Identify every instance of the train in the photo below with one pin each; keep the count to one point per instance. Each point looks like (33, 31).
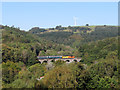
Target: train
(56, 57)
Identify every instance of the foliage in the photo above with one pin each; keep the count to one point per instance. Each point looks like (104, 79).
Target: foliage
(24, 80)
(85, 34)
(59, 62)
(106, 82)
(9, 71)
(37, 70)
(22, 46)
(37, 30)
(104, 74)
(60, 77)
(98, 50)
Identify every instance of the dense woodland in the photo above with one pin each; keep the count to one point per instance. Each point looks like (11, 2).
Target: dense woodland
(97, 46)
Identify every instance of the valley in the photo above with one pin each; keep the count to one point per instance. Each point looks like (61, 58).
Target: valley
(96, 46)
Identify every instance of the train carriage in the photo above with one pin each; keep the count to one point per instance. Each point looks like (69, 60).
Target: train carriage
(54, 57)
(42, 57)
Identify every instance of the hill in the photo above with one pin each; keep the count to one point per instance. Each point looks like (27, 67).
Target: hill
(98, 49)
(22, 46)
(77, 35)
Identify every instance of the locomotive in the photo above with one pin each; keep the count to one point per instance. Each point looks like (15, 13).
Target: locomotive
(55, 57)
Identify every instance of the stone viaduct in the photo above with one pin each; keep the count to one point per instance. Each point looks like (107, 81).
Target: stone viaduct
(66, 60)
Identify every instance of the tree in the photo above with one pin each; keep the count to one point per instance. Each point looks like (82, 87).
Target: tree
(98, 82)
(59, 62)
(37, 70)
(9, 71)
(60, 77)
(103, 74)
(58, 27)
(87, 24)
(24, 80)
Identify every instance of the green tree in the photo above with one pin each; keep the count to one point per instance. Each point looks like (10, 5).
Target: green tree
(60, 77)
(37, 70)
(9, 71)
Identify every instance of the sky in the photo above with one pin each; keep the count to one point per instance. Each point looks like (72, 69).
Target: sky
(50, 14)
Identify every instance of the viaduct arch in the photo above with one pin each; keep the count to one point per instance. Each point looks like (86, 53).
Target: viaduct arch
(66, 60)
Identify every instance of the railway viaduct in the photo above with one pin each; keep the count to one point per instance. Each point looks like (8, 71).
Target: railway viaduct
(66, 60)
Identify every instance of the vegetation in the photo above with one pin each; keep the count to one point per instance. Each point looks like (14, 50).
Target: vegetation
(75, 36)
(97, 46)
(22, 46)
(99, 49)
